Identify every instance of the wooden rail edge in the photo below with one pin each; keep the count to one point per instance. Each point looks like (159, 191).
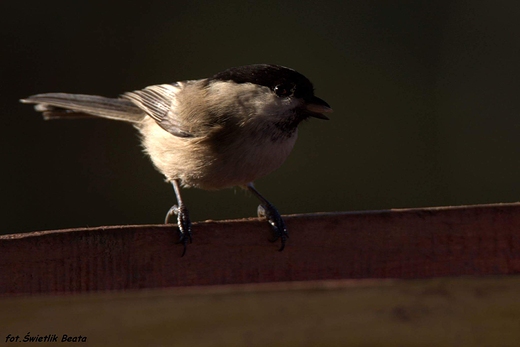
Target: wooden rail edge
(407, 243)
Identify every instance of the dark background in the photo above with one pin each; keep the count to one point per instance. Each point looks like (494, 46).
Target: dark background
(425, 94)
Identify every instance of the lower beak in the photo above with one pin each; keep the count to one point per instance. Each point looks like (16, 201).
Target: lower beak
(318, 107)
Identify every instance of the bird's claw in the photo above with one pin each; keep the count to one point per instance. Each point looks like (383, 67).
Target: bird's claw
(271, 214)
(183, 223)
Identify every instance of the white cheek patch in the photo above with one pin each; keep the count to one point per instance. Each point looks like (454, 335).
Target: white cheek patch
(276, 106)
(254, 99)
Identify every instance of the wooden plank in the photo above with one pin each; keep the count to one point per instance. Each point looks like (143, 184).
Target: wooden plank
(412, 243)
(430, 312)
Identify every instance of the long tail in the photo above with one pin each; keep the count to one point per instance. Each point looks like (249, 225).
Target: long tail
(62, 105)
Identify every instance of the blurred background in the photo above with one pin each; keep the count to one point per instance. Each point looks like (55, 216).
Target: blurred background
(425, 96)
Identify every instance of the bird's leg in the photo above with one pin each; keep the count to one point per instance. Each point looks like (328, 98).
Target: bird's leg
(183, 217)
(269, 212)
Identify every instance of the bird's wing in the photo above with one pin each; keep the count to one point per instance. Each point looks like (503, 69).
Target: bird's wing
(160, 103)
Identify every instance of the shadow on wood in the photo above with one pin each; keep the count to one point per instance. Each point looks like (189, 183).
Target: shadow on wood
(462, 312)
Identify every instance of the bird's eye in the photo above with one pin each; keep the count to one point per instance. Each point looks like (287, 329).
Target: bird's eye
(284, 90)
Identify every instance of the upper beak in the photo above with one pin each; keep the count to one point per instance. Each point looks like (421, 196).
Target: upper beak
(318, 106)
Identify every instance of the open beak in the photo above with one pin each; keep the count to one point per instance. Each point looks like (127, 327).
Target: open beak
(318, 107)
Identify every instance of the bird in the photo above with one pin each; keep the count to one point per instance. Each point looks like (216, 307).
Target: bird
(224, 131)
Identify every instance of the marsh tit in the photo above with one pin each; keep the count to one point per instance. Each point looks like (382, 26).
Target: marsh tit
(212, 133)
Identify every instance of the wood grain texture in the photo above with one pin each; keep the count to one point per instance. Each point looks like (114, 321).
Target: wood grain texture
(437, 312)
(412, 243)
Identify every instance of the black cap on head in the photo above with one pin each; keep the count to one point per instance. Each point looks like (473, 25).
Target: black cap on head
(270, 76)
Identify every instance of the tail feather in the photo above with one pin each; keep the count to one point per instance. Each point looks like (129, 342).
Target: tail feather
(62, 105)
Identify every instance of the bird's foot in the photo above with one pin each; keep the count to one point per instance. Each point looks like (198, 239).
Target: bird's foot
(183, 222)
(271, 214)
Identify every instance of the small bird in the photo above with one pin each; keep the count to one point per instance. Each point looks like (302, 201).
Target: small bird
(212, 133)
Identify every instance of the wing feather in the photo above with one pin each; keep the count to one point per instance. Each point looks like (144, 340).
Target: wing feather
(160, 103)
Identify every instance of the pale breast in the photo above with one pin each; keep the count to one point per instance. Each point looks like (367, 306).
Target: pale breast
(246, 161)
(205, 164)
